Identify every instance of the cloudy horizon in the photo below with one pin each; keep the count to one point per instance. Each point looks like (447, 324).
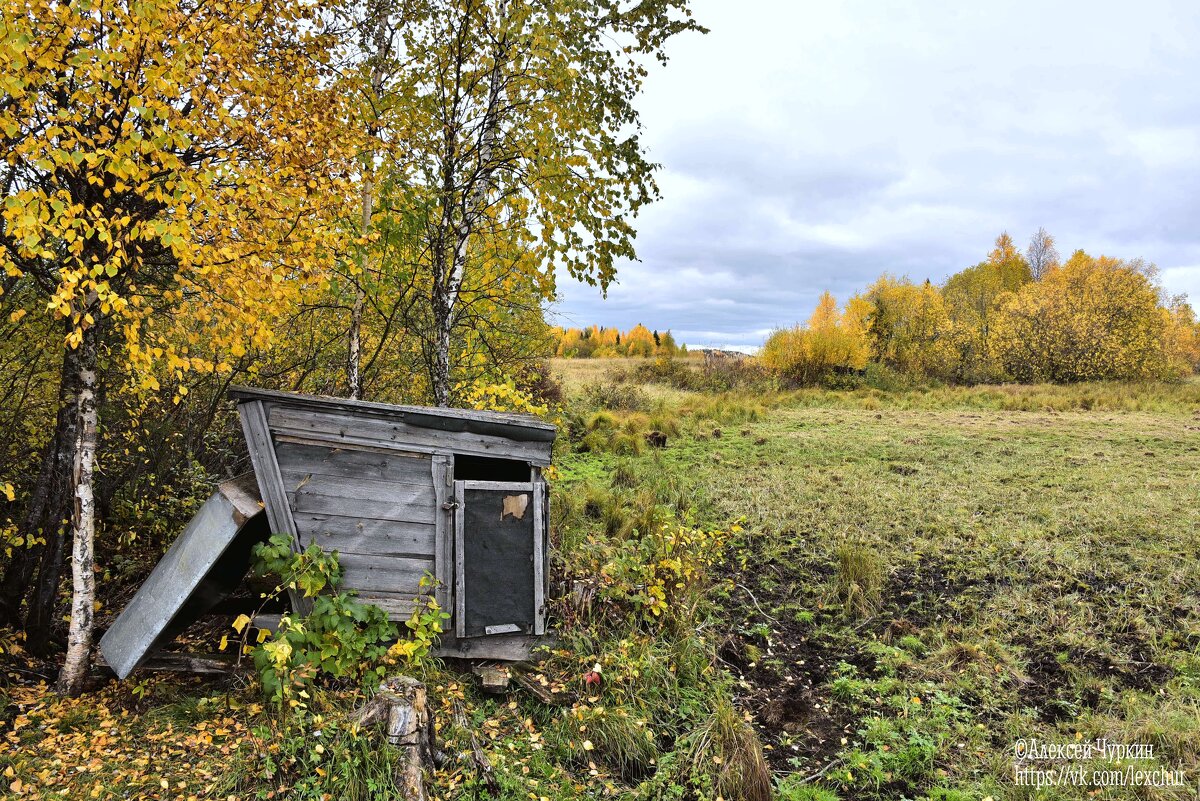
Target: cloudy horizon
(807, 148)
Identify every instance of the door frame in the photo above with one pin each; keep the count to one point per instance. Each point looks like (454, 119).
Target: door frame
(536, 489)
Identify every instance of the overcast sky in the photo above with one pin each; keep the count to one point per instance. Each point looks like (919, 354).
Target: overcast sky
(809, 146)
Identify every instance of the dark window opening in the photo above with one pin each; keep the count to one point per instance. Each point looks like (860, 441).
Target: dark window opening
(485, 468)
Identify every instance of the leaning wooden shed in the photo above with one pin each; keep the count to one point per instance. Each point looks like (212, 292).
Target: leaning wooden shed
(401, 492)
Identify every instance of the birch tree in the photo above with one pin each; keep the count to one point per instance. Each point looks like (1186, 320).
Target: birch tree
(374, 53)
(1041, 254)
(168, 164)
(523, 133)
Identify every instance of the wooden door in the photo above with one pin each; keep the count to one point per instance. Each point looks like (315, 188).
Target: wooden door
(499, 558)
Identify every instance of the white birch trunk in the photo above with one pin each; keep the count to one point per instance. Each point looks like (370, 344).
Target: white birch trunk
(382, 45)
(83, 524)
(447, 290)
(354, 368)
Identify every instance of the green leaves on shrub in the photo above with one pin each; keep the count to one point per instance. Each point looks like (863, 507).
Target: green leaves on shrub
(339, 638)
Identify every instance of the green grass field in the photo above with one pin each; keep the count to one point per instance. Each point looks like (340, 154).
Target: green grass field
(926, 578)
(809, 595)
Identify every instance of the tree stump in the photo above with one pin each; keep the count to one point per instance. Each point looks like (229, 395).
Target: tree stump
(402, 705)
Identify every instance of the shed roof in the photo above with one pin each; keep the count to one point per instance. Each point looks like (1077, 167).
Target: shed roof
(510, 425)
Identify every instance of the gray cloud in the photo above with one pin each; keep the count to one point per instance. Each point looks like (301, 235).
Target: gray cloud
(813, 146)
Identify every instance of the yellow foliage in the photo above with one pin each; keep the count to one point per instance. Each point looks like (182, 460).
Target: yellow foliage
(597, 342)
(831, 342)
(639, 341)
(176, 160)
(909, 327)
(1181, 340)
(972, 298)
(1090, 319)
(501, 397)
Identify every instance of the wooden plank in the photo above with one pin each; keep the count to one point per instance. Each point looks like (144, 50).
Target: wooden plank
(523, 425)
(539, 533)
(243, 493)
(270, 483)
(442, 469)
(492, 678)
(380, 431)
(420, 510)
(506, 647)
(419, 491)
(320, 441)
(179, 588)
(377, 430)
(398, 608)
(172, 662)
(370, 574)
(460, 590)
(356, 535)
(265, 620)
(266, 468)
(499, 486)
(297, 461)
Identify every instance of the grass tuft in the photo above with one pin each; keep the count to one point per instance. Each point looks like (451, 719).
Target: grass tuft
(725, 754)
(858, 581)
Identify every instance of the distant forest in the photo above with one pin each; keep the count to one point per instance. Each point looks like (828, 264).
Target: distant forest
(1024, 317)
(598, 342)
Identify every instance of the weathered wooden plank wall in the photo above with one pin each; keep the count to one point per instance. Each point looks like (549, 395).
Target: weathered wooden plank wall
(381, 432)
(378, 510)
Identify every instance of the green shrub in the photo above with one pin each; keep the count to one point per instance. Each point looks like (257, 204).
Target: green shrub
(625, 397)
(624, 475)
(619, 737)
(342, 763)
(625, 444)
(595, 501)
(884, 378)
(602, 422)
(340, 637)
(615, 520)
(594, 442)
(646, 515)
(667, 424)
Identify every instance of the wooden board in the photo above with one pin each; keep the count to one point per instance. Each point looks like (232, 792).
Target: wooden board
(204, 565)
(266, 468)
(370, 573)
(443, 487)
(539, 565)
(509, 647)
(377, 508)
(510, 425)
(371, 430)
(407, 504)
(355, 535)
(297, 461)
(397, 607)
(270, 482)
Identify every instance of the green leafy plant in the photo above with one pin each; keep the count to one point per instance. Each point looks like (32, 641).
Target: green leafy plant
(424, 626)
(340, 637)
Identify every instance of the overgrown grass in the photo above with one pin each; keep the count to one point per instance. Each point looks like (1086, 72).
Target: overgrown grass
(924, 576)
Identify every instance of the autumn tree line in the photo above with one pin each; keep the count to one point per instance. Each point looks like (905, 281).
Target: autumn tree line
(598, 342)
(365, 198)
(1027, 317)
